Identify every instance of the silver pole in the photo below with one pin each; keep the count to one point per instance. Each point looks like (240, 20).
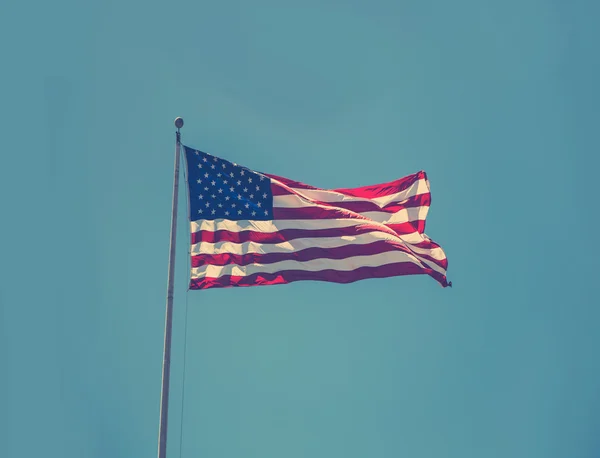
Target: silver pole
(166, 372)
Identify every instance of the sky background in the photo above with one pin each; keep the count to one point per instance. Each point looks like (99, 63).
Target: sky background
(497, 101)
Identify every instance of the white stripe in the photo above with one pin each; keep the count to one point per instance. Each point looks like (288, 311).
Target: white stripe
(418, 187)
(271, 226)
(314, 265)
(402, 216)
(435, 253)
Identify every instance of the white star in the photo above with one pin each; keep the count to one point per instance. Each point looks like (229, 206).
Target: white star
(262, 178)
(239, 212)
(215, 159)
(251, 196)
(207, 204)
(231, 174)
(239, 197)
(224, 181)
(206, 175)
(214, 211)
(200, 196)
(266, 212)
(213, 196)
(249, 180)
(242, 173)
(212, 166)
(253, 213)
(265, 195)
(198, 181)
(258, 204)
(220, 205)
(231, 189)
(206, 188)
(233, 205)
(197, 153)
(227, 197)
(220, 191)
(239, 183)
(204, 159)
(227, 213)
(200, 211)
(219, 175)
(257, 188)
(247, 205)
(223, 165)
(245, 189)
(199, 166)
(213, 182)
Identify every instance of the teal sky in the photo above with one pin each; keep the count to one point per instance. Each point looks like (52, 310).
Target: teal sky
(496, 101)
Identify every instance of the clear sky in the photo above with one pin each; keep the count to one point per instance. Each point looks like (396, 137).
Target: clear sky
(496, 101)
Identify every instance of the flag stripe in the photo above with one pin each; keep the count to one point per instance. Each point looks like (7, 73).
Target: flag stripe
(271, 226)
(277, 236)
(374, 192)
(320, 212)
(357, 206)
(334, 276)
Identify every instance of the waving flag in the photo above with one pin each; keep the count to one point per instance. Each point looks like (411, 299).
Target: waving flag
(250, 228)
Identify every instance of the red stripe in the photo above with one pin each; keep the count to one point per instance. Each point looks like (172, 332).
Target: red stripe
(334, 276)
(321, 212)
(417, 225)
(385, 189)
(427, 244)
(314, 213)
(368, 192)
(308, 254)
(420, 200)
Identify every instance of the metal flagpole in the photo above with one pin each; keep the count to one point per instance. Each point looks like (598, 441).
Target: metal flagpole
(166, 372)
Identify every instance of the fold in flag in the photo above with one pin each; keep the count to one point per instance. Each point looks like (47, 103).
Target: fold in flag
(250, 228)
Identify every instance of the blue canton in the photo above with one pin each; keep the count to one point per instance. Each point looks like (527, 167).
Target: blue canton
(220, 189)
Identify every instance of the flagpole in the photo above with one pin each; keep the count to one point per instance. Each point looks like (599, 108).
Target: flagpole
(166, 368)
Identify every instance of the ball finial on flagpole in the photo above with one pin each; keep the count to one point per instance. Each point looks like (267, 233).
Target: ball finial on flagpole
(179, 122)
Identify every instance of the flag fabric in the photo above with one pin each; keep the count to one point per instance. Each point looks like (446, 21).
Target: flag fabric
(250, 228)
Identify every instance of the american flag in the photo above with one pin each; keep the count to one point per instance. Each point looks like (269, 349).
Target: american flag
(250, 228)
